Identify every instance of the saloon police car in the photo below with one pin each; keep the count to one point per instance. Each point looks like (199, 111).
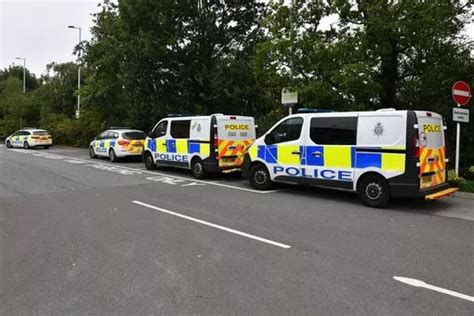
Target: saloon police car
(379, 154)
(117, 142)
(29, 137)
(201, 143)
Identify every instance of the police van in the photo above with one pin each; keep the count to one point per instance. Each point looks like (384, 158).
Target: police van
(379, 154)
(203, 144)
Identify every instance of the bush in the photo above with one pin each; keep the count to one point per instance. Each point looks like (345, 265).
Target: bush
(460, 182)
(75, 132)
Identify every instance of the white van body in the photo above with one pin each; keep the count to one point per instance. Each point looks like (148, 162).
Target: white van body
(201, 143)
(380, 154)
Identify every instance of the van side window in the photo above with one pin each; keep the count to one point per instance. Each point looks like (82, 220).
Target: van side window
(180, 129)
(286, 131)
(160, 129)
(334, 130)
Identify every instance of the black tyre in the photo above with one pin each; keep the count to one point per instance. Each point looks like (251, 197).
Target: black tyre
(149, 163)
(374, 191)
(197, 168)
(112, 156)
(260, 177)
(9, 145)
(26, 145)
(92, 154)
(46, 147)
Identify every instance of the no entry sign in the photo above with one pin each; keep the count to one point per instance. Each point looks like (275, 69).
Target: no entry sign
(461, 93)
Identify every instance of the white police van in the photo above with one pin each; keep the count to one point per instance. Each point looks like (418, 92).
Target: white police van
(380, 154)
(203, 144)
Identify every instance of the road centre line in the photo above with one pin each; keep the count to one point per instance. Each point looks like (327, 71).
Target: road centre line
(164, 174)
(230, 230)
(419, 283)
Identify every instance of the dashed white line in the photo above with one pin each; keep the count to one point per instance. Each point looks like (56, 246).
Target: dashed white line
(164, 174)
(230, 230)
(419, 283)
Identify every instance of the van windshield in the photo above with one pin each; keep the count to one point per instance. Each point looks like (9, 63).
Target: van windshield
(134, 135)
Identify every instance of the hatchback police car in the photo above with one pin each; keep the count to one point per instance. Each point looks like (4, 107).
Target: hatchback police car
(379, 154)
(29, 137)
(116, 143)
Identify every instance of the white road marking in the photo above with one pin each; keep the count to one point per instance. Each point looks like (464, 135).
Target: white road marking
(152, 172)
(230, 230)
(418, 283)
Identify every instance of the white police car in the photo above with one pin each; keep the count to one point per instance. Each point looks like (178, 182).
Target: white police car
(29, 137)
(379, 154)
(116, 143)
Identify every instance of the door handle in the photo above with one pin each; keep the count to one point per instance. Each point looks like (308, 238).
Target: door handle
(317, 154)
(232, 147)
(296, 152)
(164, 144)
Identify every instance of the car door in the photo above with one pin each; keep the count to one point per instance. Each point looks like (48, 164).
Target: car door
(329, 157)
(100, 148)
(158, 142)
(15, 139)
(283, 150)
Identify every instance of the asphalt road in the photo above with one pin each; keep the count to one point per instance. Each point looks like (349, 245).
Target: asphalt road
(87, 236)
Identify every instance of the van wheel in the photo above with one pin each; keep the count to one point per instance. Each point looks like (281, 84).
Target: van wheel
(260, 177)
(9, 145)
(374, 191)
(26, 145)
(92, 153)
(149, 163)
(112, 156)
(197, 168)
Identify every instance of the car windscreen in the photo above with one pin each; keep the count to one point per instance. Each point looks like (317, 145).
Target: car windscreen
(41, 133)
(134, 135)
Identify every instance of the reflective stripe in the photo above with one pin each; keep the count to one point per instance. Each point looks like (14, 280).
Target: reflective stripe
(204, 149)
(253, 151)
(181, 146)
(366, 160)
(285, 155)
(337, 156)
(393, 162)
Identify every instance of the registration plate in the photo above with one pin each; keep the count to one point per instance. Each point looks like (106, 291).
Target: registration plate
(426, 180)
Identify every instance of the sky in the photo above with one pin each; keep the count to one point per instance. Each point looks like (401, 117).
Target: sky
(37, 30)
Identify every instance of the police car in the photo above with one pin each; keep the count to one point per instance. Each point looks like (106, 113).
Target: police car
(201, 143)
(379, 154)
(29, 137)
(117, 142)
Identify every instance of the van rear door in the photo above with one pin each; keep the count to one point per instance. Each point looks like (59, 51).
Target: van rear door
(234, 135)
(431, 149)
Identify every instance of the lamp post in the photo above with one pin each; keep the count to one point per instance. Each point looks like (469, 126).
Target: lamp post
(78, 112)
(24, 73)
(24, 88)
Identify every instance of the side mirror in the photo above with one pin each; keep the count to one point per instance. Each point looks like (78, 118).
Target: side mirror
(151, 134)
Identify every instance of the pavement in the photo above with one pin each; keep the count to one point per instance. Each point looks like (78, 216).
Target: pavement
(85, 236)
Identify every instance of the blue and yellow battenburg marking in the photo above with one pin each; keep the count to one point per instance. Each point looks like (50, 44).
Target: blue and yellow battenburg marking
(177, 149)
(330, 157)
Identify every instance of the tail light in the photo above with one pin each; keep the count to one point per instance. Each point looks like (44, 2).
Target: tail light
(414, 150)
(123, 142)
(216, 140)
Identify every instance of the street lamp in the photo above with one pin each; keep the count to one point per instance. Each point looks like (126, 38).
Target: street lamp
(78, 74)
(24, 88)
(24, 73)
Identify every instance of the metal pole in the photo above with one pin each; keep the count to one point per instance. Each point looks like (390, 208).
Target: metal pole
(458, 138)
(79, 79)
(290, 109)
(24, 75)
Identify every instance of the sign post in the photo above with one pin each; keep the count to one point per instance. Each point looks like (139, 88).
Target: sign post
(461, 95)
(289, 99)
